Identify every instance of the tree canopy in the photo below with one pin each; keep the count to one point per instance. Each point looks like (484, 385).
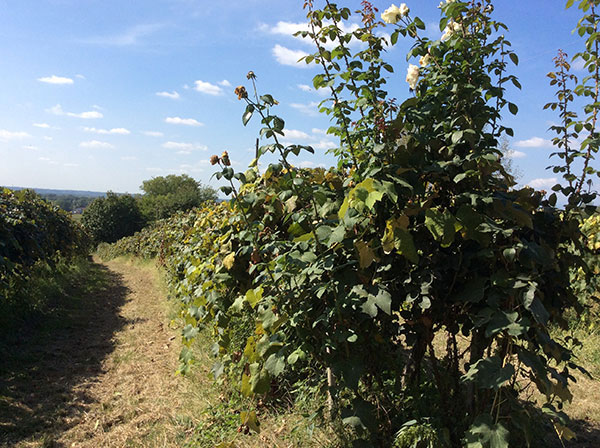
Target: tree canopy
(165, 195)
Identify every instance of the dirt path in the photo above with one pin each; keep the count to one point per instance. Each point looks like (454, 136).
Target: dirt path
(101, 377)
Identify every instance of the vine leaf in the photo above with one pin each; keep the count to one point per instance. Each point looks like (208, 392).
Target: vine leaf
(488, 373)
(484, 433)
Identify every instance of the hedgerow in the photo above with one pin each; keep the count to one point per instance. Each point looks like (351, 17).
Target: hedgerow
(33, 232)
(414, 284)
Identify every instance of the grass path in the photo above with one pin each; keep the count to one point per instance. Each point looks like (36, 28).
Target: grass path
(100, 373)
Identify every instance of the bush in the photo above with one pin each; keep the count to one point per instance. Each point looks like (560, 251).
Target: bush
(111, 218)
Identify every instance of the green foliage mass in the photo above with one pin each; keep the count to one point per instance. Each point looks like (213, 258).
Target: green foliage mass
(34, 235)
(166, 195)
(413, 282)
(111, 218)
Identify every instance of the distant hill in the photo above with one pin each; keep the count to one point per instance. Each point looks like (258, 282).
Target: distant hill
(47, 191)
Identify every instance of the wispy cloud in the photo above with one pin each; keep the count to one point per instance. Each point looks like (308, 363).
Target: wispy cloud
(31, 147)
(95, 144)
(58, 110)
(295, 134)
(113, 131)
(285, 56)
(184, 148)
(61, 80)
(13, 135)
(48, 139)
(208, 88)
(320, 91)
(153, 133)
(514, 154)
(130, 37)
(42, 125)
(184, 121)
(542, 183)
(310, 109)
(173, 95)
(225, 83)
(533, 142)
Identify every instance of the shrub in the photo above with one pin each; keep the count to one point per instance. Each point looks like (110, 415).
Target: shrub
(111, 218)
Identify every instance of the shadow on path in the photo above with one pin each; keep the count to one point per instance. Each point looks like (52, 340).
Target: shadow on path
(46, 366)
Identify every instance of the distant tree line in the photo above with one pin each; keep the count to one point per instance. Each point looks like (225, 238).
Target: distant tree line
(68, 202)
(115, 216)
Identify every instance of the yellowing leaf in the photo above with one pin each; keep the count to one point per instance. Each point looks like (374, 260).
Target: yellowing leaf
(563, 432)
(253, 296)
(229, 260)
(366, 255)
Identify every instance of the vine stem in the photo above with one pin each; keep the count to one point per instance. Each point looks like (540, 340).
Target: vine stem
(590, 146)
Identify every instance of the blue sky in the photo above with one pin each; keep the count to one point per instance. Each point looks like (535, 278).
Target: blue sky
(103, 94)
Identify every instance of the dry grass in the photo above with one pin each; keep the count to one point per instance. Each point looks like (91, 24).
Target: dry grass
(103, 375)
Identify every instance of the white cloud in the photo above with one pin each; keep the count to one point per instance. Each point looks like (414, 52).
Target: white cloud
(306, 164)
(48, 139)
(173, 95)
(318, 131)
(285, 56)
(153, 133)
(533, 142)
(324, 145)
(187, 147)
(514, 154)
(578, 65)
(44, 159)
(79, 76)
(56, 80)
(96, 144)
(290, 28)
(184, 121)
(295, 135)
(13, 135)
(225, 83)
(31, 147)
(286, 28)
(307, 109)
(542, 183)
(118, 131)
(42, 125)
(208, 88)
(58, 110)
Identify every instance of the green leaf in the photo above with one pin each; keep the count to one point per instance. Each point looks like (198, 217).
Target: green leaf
(247, 114)
(442, 225)
(260, 381)
(405, 245)
(190, 332)
(275, 364)
(484, 433)
(488, 373)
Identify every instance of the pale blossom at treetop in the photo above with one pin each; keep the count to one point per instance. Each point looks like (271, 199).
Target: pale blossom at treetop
(412, 76)
(425, 60)
(450, 29)
(395, 13)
